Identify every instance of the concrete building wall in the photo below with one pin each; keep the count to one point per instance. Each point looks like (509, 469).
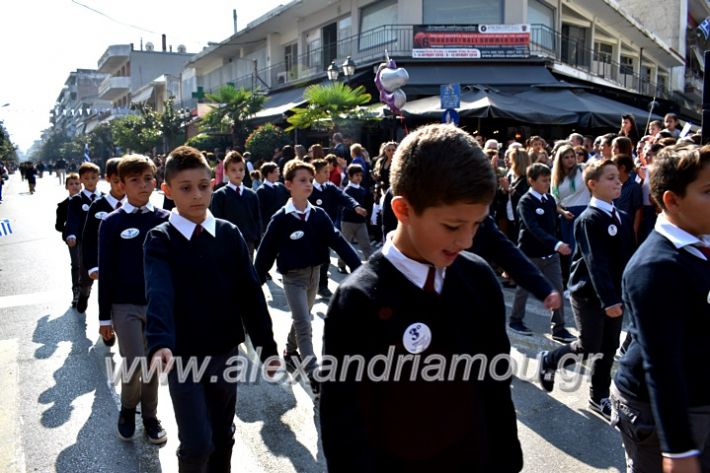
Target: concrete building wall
(146, 66)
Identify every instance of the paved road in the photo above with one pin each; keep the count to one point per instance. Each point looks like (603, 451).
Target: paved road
(58, 409)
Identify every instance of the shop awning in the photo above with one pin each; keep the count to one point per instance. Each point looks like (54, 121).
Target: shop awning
(142, 95)
(278, 104)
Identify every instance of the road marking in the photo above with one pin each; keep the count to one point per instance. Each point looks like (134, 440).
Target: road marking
(28, 299)
(12, 457)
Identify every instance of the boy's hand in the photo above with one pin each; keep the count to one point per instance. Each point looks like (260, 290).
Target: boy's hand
(94, 276)
(71, 242)
(567, 214)
(164, 359)
(361, 211)
(553, 301)
(614, 311)
(106, 332)
(564, 249)
(681, 465)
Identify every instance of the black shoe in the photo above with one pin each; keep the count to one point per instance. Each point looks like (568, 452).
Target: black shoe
(268, 276)
(290, 361)
(315, 385)
(545, 373)
(324, 291)
(342, 270)
(154, 432)
(82, 303)
(563, 336)
(126, 424)
(519, 327)
(601, 407)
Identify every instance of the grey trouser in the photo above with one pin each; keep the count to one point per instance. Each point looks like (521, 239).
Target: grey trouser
(129, 323)
(300, 287)
(634, 419)
(551, 269)
(61, 174)
(357, 231)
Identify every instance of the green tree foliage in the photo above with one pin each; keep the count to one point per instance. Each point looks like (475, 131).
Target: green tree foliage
(262, 142)
(8, 151)
(101, 141)
(208, 142)
(330, 106)
(235, 106)
(138, 133)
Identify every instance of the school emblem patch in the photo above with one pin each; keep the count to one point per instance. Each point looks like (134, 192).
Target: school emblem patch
(612, 230)
(297, 235)
(319, 202)
(708, 297)
(416, 338)
(101, 215)
(129, 233)
(85, 207)
(539, 211)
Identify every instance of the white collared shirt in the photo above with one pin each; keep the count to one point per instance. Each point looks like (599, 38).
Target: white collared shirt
(538, 195)
(234, 187)
(605, 207)
(318, 186)
(680, 238)
(414, 271)
(186, 227)
(130, 208)
(113, 201)
(89, 194)
(352, 184)
(291, 209)
(268, 183)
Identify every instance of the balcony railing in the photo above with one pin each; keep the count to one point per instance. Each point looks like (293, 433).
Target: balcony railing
(113, 87)
(370, 46)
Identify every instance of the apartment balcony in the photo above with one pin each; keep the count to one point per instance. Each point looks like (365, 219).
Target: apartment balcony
(114, 57)
(113, 87)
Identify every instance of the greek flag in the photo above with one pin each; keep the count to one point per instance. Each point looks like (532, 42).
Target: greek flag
(705, 27)
(87, 158)
(5, 228)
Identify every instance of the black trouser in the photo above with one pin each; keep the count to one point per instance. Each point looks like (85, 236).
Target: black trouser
(598, 334)
(74, 259)
(85, 282)
(204, 412)
(323, 275)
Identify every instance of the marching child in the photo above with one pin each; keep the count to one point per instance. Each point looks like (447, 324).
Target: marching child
(299, 238)
(122, 303)
(238, 204)
(537, 238)
(605, 242)
(354, 225)
(73, 185)
(412, 300)
(77, 211)
(272, 194)
(186, 258)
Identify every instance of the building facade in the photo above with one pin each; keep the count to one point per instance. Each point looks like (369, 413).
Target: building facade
(77, 101)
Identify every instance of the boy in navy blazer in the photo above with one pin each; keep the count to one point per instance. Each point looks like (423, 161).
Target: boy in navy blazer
(411, 301)
(192, 264)
(272, 194)
(73, 185)
(537, 238)
(354, 225)
(122, 303)
(661, 392)
(605, 242)
(77, 211)
(237, 203)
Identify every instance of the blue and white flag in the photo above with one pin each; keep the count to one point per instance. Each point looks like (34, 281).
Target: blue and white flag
(705, 27)
(87, 158)
(5, 228)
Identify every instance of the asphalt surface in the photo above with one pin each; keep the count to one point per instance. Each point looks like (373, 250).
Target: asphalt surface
(58, 408)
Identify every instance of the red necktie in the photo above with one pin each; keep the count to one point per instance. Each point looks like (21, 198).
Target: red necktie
(302, 216)
(429, 283)
(239, 191)
(118, 205)
(196, 232)
(615, 215)
(704, 250)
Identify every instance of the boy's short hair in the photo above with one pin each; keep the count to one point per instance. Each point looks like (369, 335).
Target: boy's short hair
(354, 169)
(233, 157)
(268, 167)
(255, 174)
(134, 164)
(536, 170)
(183, 158)
(70, 176)
(656, 123)
(87, 168)
(441, 164)
(332, 159)
(594, 170)
(667, 141)
(319, 164)
(112, 167)
(674, 168)
(296, 165)
(624, 160)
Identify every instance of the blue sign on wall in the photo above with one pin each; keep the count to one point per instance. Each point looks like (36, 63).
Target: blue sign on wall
(450, 95)
(450, 116)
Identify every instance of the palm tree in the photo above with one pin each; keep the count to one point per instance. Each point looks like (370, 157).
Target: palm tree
(234, 107)
(330, 105)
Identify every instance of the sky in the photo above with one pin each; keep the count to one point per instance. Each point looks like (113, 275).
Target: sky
(42, 41)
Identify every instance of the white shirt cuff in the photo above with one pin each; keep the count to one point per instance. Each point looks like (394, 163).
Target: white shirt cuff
(104, 323)
(93, 270)
(559, 243)
(688, 454)
(71, 237)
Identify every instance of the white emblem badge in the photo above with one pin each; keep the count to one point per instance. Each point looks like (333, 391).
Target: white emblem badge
(297, 235)
(129, 233)
(613, 230)
(85, 207)
(101, 215)
(319, 202)
(417, 338)
(539, 211)
(708, 297)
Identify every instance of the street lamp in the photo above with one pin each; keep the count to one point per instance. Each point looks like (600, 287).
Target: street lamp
(348, 66)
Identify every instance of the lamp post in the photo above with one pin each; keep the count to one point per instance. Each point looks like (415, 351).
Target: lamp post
(348, 69)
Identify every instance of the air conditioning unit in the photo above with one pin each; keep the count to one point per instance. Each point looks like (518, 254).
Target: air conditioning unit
(282, 77)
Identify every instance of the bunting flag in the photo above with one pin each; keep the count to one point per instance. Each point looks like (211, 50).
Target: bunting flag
(5, 228)
(87, 158)
(705, 27)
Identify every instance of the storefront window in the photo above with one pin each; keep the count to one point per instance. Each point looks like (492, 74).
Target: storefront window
(375, 24)
(462, 12)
